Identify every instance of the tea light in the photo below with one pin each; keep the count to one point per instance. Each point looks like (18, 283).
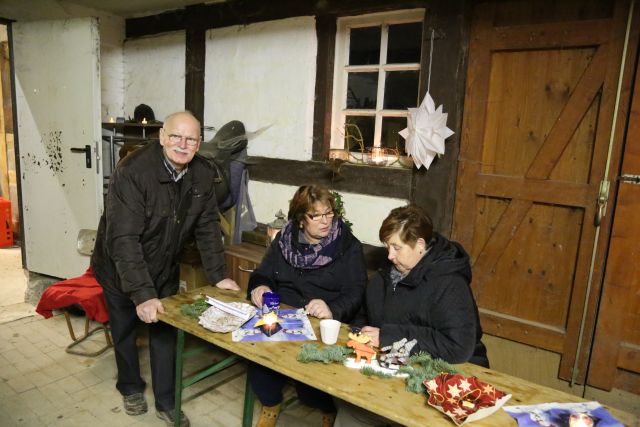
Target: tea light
(377, 156)
(144, 120)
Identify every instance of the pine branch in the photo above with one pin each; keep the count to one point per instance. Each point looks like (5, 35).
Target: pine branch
(194, 310)
(313, 353)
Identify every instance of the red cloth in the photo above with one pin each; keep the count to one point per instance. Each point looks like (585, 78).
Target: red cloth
(84, 290)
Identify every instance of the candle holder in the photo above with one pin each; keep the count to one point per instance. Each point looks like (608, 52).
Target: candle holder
(380, 156)
(269, 324)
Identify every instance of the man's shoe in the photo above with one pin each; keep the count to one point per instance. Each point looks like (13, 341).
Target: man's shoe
(134, 404)
(170, 417)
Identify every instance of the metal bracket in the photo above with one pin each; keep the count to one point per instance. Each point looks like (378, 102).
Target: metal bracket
(603, 196)
(630, 179)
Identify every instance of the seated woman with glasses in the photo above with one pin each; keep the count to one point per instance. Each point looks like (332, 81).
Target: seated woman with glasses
(315, 262)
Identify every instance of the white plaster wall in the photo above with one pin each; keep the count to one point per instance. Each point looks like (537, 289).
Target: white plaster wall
(112, 32)
(154, 73)
(365, 212)
(264, 74)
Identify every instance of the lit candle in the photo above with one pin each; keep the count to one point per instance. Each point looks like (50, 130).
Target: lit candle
(112, 120)
(144, 120)
(377, 156)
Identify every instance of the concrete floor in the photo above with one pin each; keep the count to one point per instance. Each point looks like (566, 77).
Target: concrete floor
(42, 385)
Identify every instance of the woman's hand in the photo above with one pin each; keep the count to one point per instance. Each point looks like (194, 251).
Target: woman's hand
(318, 308)
(256, 295)
(374, 333)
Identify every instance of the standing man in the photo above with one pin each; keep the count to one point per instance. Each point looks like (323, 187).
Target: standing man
(159, 196)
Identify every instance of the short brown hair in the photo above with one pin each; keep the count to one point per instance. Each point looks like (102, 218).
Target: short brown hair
(305, 198)
(411, 222)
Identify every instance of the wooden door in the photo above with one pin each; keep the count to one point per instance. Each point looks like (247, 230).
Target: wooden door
(57, 83)
(539, 103)
(615, 361)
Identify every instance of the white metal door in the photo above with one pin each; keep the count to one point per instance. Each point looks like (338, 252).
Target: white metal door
(58, 108)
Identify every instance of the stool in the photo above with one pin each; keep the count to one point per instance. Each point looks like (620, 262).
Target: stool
(87, 333)
(87, 293)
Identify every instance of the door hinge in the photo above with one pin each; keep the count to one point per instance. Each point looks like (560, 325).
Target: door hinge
(630, 179)
(603, 196)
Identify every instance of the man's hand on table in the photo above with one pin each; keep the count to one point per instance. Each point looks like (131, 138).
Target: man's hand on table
(229, 284)
(148, 310)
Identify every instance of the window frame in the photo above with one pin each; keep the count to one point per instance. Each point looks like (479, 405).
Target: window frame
(339, 111)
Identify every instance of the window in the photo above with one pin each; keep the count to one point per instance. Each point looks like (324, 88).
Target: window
(376, 77)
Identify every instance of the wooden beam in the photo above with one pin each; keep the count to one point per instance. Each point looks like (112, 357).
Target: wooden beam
(374, 181)
(244, 12)
(552, 192)
(551, 35)
(195, 57)
(516, 329)
(326, 33)
(435, 189)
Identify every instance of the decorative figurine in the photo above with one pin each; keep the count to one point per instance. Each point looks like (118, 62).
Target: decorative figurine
(397, 353)
(359, 342)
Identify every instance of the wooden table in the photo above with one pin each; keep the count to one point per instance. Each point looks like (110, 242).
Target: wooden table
(386, 397)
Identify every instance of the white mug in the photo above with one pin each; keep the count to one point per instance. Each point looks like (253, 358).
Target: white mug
(329, 330)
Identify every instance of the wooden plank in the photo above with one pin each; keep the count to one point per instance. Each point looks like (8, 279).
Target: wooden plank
(498, 240)
(475, 107)
(569, 119)
(326, 33)
(544, 191)
(386, 397)
(629, 357)
(531, 333)
(374, 181)
(551, 35)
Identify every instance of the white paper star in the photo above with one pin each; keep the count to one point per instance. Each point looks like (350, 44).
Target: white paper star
(425, 132)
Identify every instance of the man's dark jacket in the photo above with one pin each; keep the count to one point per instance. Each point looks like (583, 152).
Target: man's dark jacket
(433, 304)
(147, 220)
(340, 284)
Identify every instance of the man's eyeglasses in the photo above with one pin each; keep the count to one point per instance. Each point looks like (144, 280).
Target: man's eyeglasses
(316, 217)
(177, 139)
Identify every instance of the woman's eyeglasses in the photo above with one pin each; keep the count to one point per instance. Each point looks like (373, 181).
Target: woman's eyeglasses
(316, 217)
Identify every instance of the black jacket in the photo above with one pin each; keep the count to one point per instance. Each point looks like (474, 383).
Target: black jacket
(147, 220)
(340, 284)
(433, 304)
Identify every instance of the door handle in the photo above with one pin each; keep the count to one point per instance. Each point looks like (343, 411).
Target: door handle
(87, 154)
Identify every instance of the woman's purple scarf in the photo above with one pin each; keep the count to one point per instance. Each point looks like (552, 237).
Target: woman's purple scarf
(313, 255)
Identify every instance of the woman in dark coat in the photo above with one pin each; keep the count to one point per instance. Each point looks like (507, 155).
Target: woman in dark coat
(424, 294)
(316, 263)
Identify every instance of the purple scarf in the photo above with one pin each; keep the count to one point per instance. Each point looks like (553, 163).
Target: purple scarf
(313, 255)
